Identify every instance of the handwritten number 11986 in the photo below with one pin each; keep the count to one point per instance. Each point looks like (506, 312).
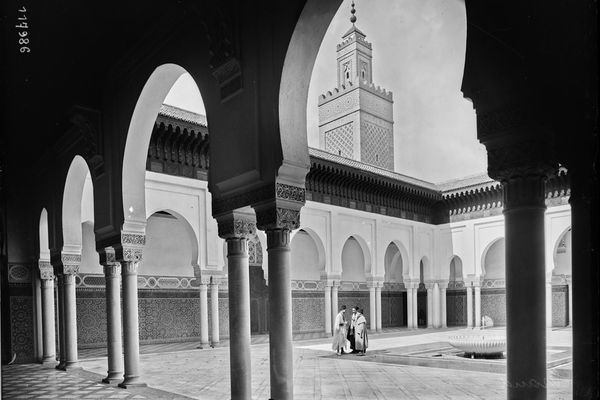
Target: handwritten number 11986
(22, 32)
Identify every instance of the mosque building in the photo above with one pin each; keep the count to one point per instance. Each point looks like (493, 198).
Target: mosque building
(412, 253)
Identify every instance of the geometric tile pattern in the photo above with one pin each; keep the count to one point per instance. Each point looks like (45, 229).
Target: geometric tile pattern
(392, 309)
(340, 141)
(376, 145)
(308, 313)
(32, 381)
(21, 324)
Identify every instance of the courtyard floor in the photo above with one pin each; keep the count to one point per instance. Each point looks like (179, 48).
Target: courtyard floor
(400, 364)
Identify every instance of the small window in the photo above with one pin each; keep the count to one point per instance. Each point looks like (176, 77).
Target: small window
(339, 152)
(376, 157)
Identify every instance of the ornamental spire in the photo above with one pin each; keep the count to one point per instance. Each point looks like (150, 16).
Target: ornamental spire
(353, 17)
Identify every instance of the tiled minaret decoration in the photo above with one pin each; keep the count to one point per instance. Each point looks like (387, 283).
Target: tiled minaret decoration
(356, 118)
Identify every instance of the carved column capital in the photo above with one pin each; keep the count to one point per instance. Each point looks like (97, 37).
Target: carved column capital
(129, 268)
(236, 225)
(283, 212)
(46, 270)
(278, 238)
(442, 284)
(112, 270)
(132, 244)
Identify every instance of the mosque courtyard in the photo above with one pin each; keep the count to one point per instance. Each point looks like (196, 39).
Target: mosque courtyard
(400, 364)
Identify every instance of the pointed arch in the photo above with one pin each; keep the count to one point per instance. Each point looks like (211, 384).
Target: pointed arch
(72, 204)
(43, 232)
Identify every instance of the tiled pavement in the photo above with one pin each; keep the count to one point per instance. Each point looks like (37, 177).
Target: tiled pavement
(204, 374)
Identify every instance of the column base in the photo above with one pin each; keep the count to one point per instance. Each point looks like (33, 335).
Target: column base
(132, 382)
(49, 361)
(60, 366)
(71, 365)
(113, 377)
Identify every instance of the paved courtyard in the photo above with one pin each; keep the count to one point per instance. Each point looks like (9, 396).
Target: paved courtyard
(189, 372)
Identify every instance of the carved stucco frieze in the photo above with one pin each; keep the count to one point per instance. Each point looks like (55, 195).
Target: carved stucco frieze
(236, 225)
(277, 218)
(290, 192)
(46, 270)
(133, 246)
(70, 263)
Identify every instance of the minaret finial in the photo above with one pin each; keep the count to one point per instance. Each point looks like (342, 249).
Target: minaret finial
(353, 17)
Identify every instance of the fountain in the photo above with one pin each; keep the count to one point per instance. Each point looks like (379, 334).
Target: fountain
(479, 345)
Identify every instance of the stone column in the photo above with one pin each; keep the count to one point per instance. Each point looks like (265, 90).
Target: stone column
(549, 303)
(278, 217)
(429, 287)
(327, 292)
(477, 305)
(436, 306)
(132, 246)
(334, 299)
(214, 312)
(130, 325)
(443, 317)
(409, 306)
(70, 267)
(112, 276)
(469, 306)
(378, 307)
(280, 312)
(415, 309)
(203, 315)
(372, 307)
(235, 228)
(48, 315)
(61, 319)
(524, 207)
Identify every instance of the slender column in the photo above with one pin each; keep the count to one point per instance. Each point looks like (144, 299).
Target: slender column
(469, 306)
(443, 317)
(130, 325)
(524, 208)
(61, 321)
(48, 315)
(372, 308)
(436, 306)
(214, 312)
(549, 304)
(70, 308)
(112, 276)
(280, 312)
(570, 294)
(429, 305)
(334, 300)
(203, 315)
(409, 306)
(378, 307)
(415, 308)
(238, 270)
(327, 292)
(477, 306)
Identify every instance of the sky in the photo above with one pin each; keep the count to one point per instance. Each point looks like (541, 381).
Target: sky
(418, 54)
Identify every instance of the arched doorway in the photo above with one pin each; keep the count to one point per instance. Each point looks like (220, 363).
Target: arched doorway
(456, 299)
(308, 265)
(353, 289)
(393, 294)
(493, 292)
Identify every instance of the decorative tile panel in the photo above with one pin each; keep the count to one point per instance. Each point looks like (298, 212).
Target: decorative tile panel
(493, 304)
(377, 146)
(21, 326)
(456, 308)
(19, 273)
(308, 314)
(307, 285)
(340, 140)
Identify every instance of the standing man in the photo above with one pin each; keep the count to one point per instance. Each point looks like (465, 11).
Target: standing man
(351, 330)
(339, 334)
(360, 333)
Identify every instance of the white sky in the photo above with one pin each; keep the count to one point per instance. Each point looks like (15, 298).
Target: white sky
(418, 54)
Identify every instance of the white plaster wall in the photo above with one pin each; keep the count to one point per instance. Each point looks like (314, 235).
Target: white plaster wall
(353, 261)
(90, 260)
(168, 250)
(190, 199)
(305, 258)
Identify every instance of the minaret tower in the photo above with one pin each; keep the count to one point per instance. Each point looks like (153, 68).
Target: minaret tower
(356, 118)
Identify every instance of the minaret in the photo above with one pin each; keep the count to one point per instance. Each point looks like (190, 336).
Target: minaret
(356, 118)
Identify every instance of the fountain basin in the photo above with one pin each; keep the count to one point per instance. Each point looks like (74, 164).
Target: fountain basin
(479, 345)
